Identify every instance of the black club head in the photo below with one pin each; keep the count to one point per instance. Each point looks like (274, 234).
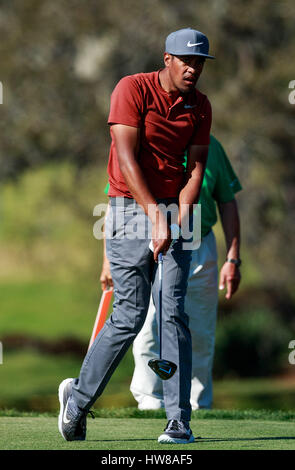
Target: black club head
(164, 369)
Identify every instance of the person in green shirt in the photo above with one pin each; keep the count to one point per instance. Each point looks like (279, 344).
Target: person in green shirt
(218, 190)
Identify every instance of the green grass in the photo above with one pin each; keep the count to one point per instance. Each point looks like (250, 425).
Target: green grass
(35, 378)
(53, 310)
(29, 380)
(132, 412)
(48, 309)
(271, 393)
(40, 433)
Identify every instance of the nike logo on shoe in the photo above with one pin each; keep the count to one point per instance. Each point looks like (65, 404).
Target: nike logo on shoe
(65, 419)
(189, 44)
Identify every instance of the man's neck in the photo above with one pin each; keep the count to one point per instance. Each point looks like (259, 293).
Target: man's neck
(166, 83)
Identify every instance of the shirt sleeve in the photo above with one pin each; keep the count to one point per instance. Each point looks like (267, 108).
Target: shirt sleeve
(126, 103)
(202, 133)
(227, 182)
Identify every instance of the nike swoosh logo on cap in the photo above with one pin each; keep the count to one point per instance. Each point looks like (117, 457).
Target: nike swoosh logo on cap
(195, 44)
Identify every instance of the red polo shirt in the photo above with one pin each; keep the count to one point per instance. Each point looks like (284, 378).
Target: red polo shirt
(169, 124)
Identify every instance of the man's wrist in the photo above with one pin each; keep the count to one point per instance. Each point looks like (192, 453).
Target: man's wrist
(154, 213)
(236, 261)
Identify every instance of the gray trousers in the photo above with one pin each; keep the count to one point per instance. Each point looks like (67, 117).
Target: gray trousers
(134, 274)
(201, 306)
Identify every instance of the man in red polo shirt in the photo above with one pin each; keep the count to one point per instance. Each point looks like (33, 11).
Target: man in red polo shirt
(154, 118)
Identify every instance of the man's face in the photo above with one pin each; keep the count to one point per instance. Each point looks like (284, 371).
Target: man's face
(184, 71)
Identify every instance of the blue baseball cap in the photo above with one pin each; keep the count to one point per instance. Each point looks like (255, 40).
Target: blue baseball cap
(188, 41)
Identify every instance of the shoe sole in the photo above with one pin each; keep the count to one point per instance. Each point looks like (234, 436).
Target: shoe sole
(61, 389)
(165, 439)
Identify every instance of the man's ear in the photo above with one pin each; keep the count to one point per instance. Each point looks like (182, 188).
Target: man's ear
(167, 59)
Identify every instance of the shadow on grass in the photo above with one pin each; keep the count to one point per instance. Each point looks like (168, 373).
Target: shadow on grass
(237, 439)
(200, 440)
(119, 440)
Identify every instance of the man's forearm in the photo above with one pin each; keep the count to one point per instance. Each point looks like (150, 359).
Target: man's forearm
(127, 141)
(231, 226)
(139, 189)
(190, 193)
(189, 196)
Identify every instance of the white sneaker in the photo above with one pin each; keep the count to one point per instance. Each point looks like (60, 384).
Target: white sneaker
(177, 432)
(151, 403)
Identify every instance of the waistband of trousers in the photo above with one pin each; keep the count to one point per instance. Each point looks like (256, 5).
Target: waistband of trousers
(128, 201)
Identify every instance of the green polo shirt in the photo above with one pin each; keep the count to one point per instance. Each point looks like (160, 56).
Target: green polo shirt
(220, 184)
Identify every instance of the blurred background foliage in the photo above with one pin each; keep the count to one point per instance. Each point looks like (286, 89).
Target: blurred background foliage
(60, 61)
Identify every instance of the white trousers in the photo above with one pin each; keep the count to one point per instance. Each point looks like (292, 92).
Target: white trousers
(201, 306)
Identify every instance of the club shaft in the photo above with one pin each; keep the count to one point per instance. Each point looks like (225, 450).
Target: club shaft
(160, 261)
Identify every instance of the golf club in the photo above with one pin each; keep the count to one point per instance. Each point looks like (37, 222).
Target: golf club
(163, 368)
